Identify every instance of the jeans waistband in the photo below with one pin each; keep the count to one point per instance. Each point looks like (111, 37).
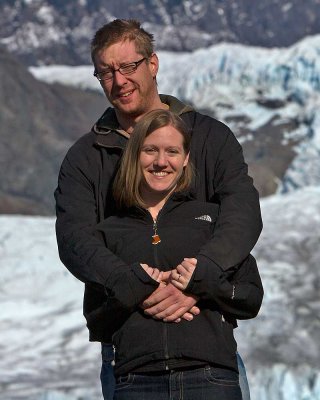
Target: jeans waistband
(170, 371)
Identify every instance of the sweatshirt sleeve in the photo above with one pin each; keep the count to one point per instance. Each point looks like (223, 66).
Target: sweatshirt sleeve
(238, 292)
(223, 174)
(85, 255)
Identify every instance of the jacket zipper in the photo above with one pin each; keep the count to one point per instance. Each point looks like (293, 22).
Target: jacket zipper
(156, 240)
(155, 237)
(166, 350)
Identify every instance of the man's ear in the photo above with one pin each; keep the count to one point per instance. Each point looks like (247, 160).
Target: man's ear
(154, 64)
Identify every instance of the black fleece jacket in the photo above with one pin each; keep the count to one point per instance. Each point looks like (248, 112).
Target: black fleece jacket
(143, 344)
(83, 199)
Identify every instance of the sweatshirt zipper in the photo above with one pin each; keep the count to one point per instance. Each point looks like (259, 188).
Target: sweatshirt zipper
(155, 241)
(166, 350)
(155, 237)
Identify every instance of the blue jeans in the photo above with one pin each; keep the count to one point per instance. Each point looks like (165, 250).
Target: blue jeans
(206, 383)
(108, 381)
(244, 385)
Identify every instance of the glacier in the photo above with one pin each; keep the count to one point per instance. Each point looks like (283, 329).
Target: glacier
(44, 350)
(44, 342)
(232, 81)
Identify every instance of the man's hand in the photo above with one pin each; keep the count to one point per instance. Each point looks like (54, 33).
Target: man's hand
(170, 304)
(154, 273)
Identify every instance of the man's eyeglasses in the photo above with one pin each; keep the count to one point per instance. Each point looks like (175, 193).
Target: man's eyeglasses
(125, 69)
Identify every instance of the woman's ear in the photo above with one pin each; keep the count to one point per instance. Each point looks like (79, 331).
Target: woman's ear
(185, 163)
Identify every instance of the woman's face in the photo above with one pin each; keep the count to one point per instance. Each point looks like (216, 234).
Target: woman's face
(162, 160)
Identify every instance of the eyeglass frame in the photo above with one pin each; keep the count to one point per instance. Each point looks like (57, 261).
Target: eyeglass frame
(112, 70)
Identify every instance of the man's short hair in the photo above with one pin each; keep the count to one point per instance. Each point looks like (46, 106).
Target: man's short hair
(121, 30)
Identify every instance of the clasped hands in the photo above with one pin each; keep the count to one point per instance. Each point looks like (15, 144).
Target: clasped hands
(168, 302)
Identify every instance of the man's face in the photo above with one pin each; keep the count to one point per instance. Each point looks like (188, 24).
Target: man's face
(131, 95)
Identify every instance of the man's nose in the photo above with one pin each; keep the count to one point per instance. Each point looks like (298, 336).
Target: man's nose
(118, 78)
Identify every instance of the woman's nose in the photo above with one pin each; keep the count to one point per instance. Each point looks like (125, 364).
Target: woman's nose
(161, 159)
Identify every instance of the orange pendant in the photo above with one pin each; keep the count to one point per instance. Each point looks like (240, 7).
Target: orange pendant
(156, 239)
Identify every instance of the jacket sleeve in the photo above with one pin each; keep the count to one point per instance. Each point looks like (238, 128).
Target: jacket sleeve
(85, 256)
(237, 292)
(224, 174)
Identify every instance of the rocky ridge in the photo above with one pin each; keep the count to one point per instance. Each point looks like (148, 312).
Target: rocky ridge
(42, 32)
(39, 122)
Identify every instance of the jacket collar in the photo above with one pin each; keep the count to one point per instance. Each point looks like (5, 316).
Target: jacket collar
(108, 132)
(175, 105)
(173, 201)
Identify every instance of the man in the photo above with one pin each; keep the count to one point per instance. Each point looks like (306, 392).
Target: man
(127, 67)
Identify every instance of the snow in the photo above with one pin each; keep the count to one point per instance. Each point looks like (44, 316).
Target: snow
(80, 76)
(44, 350)
(230, 80)
(43, 335)
(45, 14)
(41, 302)
(283, 350)
(225, 63)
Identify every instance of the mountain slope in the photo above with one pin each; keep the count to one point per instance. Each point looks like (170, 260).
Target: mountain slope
(38, 123)
(55, 31)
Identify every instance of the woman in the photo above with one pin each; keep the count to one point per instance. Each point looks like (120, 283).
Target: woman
(162, 228)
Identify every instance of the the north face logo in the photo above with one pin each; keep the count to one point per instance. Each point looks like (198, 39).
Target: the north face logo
(204, 218)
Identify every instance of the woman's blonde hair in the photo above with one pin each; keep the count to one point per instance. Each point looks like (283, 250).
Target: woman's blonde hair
(126, 187)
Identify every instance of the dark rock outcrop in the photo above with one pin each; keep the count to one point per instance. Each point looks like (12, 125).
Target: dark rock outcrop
(38, 123)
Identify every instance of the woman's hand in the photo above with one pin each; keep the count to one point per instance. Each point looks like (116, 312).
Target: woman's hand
(180, 277)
